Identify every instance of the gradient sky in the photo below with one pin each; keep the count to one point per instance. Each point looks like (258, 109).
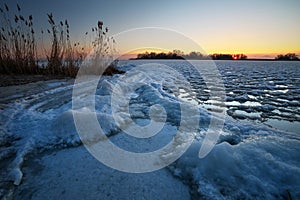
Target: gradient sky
(253, 27)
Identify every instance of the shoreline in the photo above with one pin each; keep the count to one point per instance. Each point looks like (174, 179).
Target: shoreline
(21, 79)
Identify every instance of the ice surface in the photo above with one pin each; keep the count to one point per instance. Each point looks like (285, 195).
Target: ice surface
(258, 168)
(256, 156)
(75, 174)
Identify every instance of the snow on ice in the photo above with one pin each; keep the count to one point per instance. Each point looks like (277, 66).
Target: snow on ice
(255, 157)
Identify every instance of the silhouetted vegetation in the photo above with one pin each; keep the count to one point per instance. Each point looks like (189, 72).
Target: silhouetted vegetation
(153, 55)
(18, 47)
(17, 43)
(177, 54)
(102, 61)
(61, 56)
(289, 56)
(228, 57)
(195, 56)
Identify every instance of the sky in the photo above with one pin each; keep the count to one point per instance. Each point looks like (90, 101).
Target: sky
(254, 27)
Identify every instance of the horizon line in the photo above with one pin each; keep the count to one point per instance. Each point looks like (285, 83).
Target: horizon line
(249, 56)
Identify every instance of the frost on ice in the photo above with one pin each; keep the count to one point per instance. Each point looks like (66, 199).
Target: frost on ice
(256, 155)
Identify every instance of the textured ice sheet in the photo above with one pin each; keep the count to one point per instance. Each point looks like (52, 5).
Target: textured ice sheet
(250, 160)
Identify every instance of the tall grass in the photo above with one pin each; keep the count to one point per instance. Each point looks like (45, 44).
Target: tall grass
(17, 43)
(101, 60)
(62, 57)
(19, 50)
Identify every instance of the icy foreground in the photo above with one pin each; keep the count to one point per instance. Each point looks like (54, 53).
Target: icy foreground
(42, 155)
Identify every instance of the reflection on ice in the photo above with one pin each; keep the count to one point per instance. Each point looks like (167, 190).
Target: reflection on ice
(251, 104)
(284, 125)
(251, 115)
(187, 96)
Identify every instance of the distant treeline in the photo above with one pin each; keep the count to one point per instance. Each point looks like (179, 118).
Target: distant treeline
(177, 54)
(289, 56)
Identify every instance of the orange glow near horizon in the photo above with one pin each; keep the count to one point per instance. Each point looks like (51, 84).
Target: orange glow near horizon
(258, 29)
(250, 54)
(254, 50)
(133, 54)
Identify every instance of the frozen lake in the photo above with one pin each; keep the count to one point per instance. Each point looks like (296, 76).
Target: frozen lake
(256, 156)
(262, 91)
